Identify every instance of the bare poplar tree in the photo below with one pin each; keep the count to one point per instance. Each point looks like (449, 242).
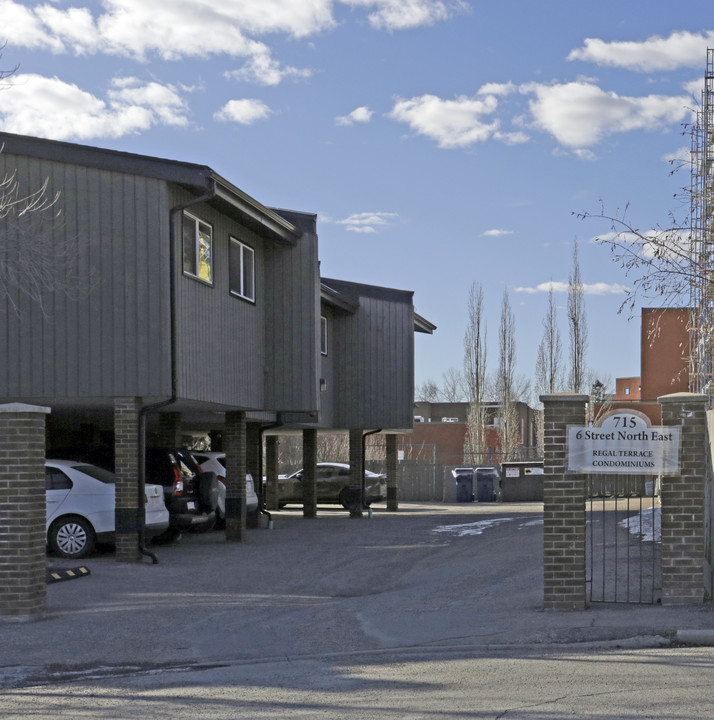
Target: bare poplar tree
(549, 363)
(506, 381)
(474, 376)
(577, 325)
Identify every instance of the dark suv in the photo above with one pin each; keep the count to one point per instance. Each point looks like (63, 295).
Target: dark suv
(190, 494)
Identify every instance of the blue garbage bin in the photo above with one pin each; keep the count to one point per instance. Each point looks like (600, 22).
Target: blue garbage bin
(464, 484)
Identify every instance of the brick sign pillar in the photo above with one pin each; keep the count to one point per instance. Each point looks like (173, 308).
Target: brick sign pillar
(682, 495)
(392, 464)
(234, 443)
(126, 471)
(563, 507)
(309, 473)
(23, 554)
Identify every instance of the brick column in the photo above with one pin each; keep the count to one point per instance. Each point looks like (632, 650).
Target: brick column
(309, 473)
(170, 430)
(563, 507)
(234, 443)
(356, 469)
(392, 502)
(272, 443)
(682, 495)
(126, 470)
(252, 451)
(23, 554)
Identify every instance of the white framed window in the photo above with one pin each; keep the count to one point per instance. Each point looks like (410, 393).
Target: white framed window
(323, 334)
(197, 248)
(627, 391)
(242, 270)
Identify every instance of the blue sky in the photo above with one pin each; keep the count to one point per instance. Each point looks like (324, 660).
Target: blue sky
(441, 142)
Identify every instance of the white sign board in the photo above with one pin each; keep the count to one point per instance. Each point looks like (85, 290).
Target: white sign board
(623, 444)
(513, 472)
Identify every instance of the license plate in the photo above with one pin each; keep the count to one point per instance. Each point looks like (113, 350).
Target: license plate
(191, 505)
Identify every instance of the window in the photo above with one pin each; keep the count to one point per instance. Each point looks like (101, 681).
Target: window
(197, 248)
(323, 334)
(242, 270)
(627, 391)
(56, 480)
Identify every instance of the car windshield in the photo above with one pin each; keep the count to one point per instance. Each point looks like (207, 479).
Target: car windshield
(97, 473)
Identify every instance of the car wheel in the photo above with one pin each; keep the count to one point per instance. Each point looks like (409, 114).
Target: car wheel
(71, 537)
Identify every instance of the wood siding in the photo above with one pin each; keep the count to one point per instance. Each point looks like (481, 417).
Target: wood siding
(293, 326)
(220, 340)
(105, 331)
(373, 363)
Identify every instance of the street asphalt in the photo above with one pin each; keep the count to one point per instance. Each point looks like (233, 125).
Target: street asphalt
(430, 577)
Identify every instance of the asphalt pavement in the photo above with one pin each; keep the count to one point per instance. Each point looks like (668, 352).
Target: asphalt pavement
(431, 577)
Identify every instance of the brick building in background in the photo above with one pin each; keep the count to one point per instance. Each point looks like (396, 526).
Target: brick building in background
(664, 363)
(440, 429)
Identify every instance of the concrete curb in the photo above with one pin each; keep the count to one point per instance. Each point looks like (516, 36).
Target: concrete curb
(695, 637)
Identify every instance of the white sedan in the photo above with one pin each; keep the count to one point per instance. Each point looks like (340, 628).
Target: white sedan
(80, 507)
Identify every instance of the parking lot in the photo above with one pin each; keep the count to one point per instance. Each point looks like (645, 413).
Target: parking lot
(432, 576)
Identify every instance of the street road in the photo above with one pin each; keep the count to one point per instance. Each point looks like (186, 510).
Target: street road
(432, 612)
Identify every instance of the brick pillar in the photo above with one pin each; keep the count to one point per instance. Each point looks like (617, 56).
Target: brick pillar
(563, 507)
(126, 470)
(252, 451)
(234, 443)
(392, 502)
(356, 469)
(23, 556)
(272, 443)
(170, 430)
(309, 473)
(682, 495)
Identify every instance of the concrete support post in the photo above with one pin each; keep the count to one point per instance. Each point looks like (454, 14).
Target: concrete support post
(563, 507)
(272, 443)
(23, 560)
(682, 495)
(309, 473)
(356, 470)
(170, 430)
(126, 471)
(234, 442)
(392, 502)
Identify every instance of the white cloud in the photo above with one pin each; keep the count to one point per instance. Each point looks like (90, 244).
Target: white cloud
(367, 222)
(245, 112)
(451, 123)
(262, 69)
(200, 28)
(359, 115)
(600, 288)
(501, 89)
(497, 233)
(580, 114)
(680, 49)
(51, 108)
(403, 14)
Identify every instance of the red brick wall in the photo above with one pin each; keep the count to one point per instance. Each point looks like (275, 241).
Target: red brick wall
(665, 351)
